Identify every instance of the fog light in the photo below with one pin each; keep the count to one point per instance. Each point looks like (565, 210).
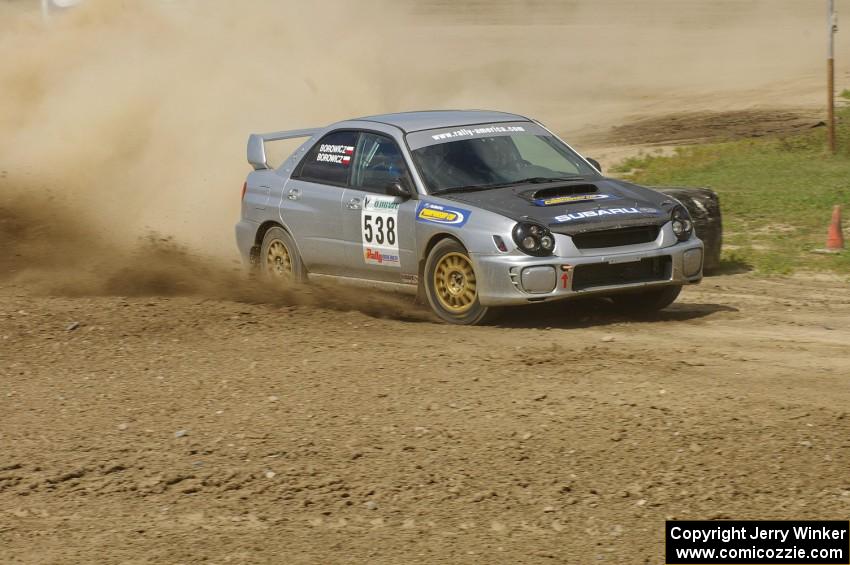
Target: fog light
(538, 280)
(692, 262)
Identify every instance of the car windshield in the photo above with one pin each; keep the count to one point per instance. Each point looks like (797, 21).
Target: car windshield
(467, 160)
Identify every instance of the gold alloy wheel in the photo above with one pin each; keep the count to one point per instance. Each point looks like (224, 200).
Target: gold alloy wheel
(278, 260)
(454, 283)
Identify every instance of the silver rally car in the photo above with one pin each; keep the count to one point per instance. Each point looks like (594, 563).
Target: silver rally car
(473, 210)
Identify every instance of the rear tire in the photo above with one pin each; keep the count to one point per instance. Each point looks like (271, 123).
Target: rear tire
(280, 262)
(451, 285)
(648, 301)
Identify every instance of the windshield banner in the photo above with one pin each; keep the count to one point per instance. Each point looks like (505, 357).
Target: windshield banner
(420, 139)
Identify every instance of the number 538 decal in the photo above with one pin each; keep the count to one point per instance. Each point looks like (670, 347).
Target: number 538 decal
(379, 229)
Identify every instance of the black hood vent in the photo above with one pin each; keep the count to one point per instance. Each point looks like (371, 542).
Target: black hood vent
(559, 191)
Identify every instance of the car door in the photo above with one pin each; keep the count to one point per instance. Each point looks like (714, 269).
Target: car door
(311, 202)
(379, 229)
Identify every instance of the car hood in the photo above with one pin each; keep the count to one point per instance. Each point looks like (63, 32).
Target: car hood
(576, 206)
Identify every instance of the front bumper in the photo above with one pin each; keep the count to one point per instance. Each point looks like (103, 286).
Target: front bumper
(513, 279)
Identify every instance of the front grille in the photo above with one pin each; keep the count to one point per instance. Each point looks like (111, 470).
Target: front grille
(607, 274)
(616, 238)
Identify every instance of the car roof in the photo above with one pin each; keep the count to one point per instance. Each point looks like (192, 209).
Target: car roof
(434, 119)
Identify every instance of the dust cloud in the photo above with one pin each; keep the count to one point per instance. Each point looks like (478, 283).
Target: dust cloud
(55, 255)
(123, 119)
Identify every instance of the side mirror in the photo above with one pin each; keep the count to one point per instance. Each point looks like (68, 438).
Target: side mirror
(399, 188)
(595, 163)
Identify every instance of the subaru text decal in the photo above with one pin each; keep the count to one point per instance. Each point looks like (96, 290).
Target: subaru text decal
(568, 199)
(439, 214)
(603, 212)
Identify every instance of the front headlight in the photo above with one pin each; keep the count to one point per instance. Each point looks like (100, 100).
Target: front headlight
(534, 239)
(682, 225)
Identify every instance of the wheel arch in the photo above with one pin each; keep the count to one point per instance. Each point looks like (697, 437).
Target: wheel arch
(432, 242)
(261, 234)
(266, 226)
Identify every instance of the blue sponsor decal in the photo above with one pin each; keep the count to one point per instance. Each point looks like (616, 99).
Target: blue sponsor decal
(439, 214)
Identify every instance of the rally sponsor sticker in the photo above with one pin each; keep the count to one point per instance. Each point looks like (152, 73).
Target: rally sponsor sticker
(604, 212)
(439, 214)
(339, 154)
(477, 132)
(379, 230)
(381, 257)
(569, 199)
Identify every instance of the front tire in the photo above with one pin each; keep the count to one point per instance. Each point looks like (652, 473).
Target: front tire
(280, 262)
(451, 285)
(648, 301)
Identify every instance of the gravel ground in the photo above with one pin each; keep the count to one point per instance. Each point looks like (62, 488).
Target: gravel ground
(189, 429)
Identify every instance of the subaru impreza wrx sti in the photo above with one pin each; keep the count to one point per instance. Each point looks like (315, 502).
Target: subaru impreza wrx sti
(473, 210)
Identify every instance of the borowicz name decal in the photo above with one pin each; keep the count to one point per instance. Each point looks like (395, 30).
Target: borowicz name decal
(339, 154)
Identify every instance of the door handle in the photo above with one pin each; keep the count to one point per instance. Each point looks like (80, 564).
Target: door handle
(354, 204)
(294, 194)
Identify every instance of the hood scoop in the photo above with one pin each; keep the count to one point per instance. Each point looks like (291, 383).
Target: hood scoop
(564, 194)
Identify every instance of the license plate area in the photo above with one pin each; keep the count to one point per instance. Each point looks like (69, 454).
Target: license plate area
(648, 269)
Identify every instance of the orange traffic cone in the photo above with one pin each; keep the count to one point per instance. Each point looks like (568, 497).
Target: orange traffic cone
(835, 238)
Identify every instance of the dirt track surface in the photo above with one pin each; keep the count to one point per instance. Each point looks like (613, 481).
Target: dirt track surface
(184, 429)
(706, 127)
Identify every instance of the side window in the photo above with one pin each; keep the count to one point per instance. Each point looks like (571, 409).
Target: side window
(378, 162)
(329, 161)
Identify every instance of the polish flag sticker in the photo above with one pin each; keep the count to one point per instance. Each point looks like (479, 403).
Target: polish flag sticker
(346, 160)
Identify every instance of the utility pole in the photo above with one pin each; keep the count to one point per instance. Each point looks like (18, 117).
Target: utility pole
(830, 81)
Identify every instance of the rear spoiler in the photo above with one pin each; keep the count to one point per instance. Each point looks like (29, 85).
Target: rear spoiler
(257, 144)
